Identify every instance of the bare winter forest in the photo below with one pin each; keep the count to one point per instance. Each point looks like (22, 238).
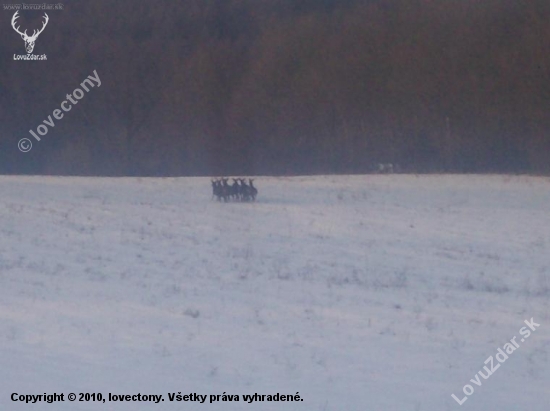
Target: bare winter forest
(204, 87)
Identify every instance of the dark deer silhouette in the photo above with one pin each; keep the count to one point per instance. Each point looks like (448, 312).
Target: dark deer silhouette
(235, 190)
(253, 190)
(245, 190)
(216, 189)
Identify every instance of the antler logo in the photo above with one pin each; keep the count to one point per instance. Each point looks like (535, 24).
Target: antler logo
(29, 40)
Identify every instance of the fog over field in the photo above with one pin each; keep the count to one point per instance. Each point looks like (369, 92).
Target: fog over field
(375, 292)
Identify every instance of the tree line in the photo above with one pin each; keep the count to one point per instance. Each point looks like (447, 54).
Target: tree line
(247, 87)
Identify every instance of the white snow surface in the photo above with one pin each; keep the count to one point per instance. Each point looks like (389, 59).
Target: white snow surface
(377, 292)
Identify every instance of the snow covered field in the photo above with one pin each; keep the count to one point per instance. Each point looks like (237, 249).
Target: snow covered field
(360, 293)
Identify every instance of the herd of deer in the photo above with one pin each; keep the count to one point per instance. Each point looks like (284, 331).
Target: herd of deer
(238, 191)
